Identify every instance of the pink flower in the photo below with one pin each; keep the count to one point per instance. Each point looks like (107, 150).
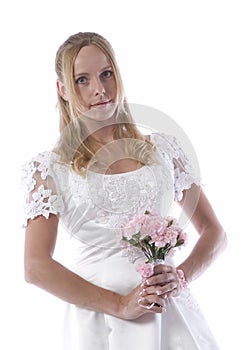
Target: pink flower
(183, 237)
(134, 226)
(155, 236)
(145, 270)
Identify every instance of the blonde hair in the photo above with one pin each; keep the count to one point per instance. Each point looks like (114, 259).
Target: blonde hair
(75, 146)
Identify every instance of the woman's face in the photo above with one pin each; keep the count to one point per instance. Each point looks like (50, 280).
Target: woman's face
(95, 83)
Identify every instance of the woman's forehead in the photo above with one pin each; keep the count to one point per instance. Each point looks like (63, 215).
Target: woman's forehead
(90, 57)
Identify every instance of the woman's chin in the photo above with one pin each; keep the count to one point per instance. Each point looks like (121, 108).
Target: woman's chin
(101, 113)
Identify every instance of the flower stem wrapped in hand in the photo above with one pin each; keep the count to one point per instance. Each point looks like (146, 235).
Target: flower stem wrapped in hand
(155, 236)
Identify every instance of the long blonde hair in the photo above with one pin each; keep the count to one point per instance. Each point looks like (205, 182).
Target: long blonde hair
(75, 146)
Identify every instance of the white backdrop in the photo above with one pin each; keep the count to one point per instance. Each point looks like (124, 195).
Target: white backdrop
(189, 59)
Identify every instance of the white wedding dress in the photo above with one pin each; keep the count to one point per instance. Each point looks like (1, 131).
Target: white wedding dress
(92, 209)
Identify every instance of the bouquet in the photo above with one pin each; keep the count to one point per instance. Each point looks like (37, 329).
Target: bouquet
(155, 236)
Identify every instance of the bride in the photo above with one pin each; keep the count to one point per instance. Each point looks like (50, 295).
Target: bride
(101, 172)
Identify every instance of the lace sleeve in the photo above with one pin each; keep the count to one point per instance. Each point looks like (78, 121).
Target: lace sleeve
(185, 173)
(40, 192)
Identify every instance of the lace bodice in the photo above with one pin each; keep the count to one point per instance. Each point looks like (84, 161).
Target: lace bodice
(105, 201)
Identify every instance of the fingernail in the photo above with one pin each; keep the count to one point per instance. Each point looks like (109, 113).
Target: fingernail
(141, 299)
(158, 292)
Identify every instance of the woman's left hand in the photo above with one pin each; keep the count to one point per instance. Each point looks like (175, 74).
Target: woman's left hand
(163, 282)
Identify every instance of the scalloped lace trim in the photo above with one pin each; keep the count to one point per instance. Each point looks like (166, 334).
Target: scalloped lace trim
(42, 201)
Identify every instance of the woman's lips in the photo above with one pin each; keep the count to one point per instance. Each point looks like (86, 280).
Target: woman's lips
(101, 103)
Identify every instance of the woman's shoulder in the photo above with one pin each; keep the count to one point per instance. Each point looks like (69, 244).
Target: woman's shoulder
(43, 157)
(37, 166)
(42, 160)
(166, 143)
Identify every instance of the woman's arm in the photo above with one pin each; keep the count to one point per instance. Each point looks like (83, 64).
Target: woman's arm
(212, 240)
(210, 244)
(43, 271)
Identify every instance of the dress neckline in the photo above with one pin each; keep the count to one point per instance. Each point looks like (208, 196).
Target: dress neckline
(130, 172)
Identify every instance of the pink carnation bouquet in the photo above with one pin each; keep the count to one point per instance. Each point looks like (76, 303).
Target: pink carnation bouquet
(155, 236)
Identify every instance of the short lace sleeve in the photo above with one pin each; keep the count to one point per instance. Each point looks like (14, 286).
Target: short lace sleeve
(185, 173)
(41, 195)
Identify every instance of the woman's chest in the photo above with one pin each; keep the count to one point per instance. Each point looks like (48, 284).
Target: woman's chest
(105, 197)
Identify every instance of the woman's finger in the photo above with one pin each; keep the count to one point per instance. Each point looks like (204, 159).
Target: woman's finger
(152, 303)
(161, 279)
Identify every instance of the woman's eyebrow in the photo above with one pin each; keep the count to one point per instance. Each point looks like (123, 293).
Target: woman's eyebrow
(101, 70)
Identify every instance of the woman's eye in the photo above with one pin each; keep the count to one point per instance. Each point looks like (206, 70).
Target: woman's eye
(81, 80)
(107, 73)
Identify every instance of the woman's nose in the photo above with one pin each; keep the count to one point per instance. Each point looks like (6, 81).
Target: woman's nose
(98, 88)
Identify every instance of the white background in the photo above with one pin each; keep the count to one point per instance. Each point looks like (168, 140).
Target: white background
(189, 59)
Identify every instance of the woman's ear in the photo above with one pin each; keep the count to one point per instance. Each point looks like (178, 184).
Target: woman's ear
(61, 90)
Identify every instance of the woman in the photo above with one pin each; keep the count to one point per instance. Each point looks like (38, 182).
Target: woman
(102, 171)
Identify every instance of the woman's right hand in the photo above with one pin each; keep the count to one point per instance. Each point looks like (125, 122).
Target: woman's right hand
(138, 303)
